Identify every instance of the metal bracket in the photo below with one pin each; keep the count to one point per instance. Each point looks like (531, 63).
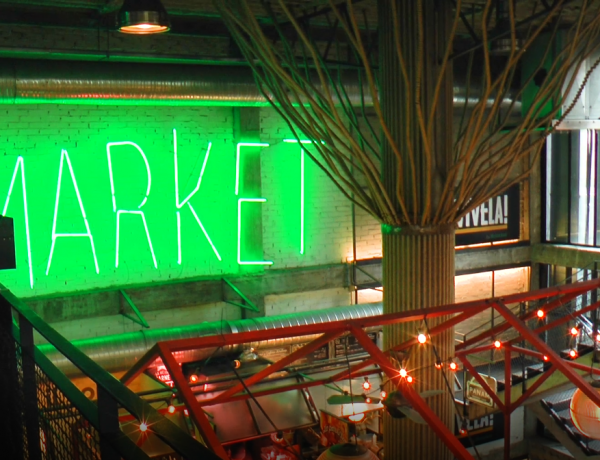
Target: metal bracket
(246, 303)
(375, 284)
(138, 318)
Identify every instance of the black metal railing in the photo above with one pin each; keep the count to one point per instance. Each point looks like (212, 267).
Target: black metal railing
(47, 417)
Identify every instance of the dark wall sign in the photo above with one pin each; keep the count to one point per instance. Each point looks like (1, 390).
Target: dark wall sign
(484, 429)
(495, 220)
(348, 345)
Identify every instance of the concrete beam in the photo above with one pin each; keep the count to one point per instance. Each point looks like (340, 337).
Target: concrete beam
(566, 256)
(477, 260)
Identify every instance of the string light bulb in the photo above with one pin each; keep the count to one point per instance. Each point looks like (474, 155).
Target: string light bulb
(540, 313)
(194, 378)
(574, 331)
(403, 373)
(409, 379)
(171, 409)
(546, 358)
(438, 364)
(497, 344)
(422, 338)
(598, 337)
(573, 353)
(366, 384)
(453, 366)
(143, 427)
(383, 394)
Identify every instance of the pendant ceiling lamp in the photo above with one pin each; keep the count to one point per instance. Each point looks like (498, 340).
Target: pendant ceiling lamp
(143, 17)
(347, 451)
(585, 414)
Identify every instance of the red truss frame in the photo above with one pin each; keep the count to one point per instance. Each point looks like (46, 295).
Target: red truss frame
(555, 296)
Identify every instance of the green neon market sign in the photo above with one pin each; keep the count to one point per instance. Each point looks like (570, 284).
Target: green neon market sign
(135, 211)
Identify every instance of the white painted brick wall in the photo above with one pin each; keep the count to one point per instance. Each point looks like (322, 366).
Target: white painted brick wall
(306, 301)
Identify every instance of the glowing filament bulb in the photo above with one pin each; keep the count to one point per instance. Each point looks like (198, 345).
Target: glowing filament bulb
(574, 331)
(540, 314)
(366, 384)
(598, 337)
(573, 354)
(409, 379)
(383, 394)
(367, 400)
(403, 373)
(194, 378)
(143, 427)
(422, 338)
(171, 409)
(546, 358)
(497, 344)
(453, 366)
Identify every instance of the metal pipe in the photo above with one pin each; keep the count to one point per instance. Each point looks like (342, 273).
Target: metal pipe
(120, 352)
(119, 83)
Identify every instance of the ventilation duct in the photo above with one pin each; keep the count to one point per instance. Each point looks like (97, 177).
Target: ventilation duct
(118, 83)
(120, 352)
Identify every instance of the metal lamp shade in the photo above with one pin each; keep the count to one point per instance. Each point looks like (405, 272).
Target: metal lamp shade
(347, 451)
(585, 415)
(143, 17)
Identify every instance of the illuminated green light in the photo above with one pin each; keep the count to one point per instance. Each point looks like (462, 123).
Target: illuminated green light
(20, 164)
(123, 211)
(140, 213)
(64, 155)
(302, 141)
(239, 244)
(186, 201)
(237, 160)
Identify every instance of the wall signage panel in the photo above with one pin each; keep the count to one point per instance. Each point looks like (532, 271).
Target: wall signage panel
(142, 210)
(495, 220)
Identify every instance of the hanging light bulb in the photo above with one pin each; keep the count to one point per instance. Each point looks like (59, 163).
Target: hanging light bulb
(194, 378)
(540, 313)
(546, 358)
(422, 338)
(573, 353)
(453, 366)
(171, 409)
(143, 427)
(366, 384)
(574, 331)
(143, 17)
(403, 373)
(409, 379)
(497, 344)
(383, 394)
(438, 364)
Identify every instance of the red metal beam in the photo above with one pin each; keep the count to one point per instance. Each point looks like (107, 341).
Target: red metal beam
(392, 318)
(140, 365)
(278, 365)
(482, 382)
(185, 393)
(413, 397)
(442, 327)
(562, 320)
(556, 360)
(532, 389)
(283, 389)
(505, 326)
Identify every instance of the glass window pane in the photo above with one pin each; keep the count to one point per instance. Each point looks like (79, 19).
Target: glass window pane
(557, 175)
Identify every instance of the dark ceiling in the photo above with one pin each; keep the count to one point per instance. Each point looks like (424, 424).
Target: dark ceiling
(85, 29)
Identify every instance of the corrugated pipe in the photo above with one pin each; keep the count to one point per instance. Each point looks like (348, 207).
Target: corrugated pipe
(120, 352)
(117, 83)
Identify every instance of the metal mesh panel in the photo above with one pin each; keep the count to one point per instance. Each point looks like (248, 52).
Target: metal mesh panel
(64, 433)
(21, 398)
